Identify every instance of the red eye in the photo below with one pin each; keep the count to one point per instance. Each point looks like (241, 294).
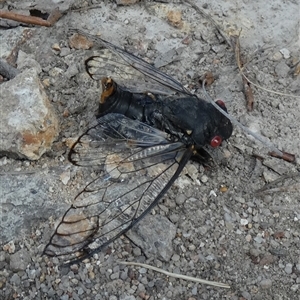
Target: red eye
(216, 141)
(221, 104)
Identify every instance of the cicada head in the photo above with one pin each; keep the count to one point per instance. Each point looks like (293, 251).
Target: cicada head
(223, 127)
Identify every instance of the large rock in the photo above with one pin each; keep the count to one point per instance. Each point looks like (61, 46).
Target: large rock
(154, 234)
(28, 123)
(28, 199)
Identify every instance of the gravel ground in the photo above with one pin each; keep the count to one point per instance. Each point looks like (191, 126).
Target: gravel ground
(221, 229)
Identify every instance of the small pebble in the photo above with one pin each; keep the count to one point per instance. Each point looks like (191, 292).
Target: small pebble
(277, 56)
(227, 217)
(56, 47)
(246, 295)
(142, 270)
(2, 256)
(180, 199)
(15, 279)
(65, 177)
(9, 247)
(258, 239)
(212, 193)
(288, 268)
(175, 257)
(195, 290)
(295, 287)
(115, 275)
(223, 189)
(285, 52)
(137, 251)
(65, 51)
(254, 252)
(244, 222)
(266, 283)
(204, 178)
(248, 237)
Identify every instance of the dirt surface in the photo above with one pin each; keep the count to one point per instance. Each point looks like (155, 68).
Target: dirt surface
(225, 231)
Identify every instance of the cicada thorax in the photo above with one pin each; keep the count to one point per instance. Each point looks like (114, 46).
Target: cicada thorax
(116, 99)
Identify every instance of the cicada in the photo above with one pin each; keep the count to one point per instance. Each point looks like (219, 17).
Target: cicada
(141, 142)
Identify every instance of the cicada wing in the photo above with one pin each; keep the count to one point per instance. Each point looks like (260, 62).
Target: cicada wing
(113, 134)
(134, 178)
(156, 80)
(105, 63)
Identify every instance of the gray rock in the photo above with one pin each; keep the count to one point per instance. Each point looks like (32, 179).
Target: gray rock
(266, 283)
(26, 199)
(227, 217)
(20, 260)
(2, 256)
(286, 53)
(254, 252)
(276, 56)
(137, 251)
(175, 257)
(288, 268)
(26, 61)
(31, 274)
(295, 287)
(15, 279)
(282, 69)
(180, 199)
(154, 234)
(194, 290)
(9, 38)
(7, 71)
(295, 86)
(65, 51)
(80, 291)
(142, 270)
(72, 71)
(29, 125)
(168, 57)
(246, 295)
(127, 298)
(123, 275)
(115, 275)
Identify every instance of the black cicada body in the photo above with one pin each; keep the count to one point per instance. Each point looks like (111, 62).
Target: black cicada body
(141, 142)
(188, 119)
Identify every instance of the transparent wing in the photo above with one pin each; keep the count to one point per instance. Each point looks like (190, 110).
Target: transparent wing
(106, 63)
(138, 164)
(129, 70)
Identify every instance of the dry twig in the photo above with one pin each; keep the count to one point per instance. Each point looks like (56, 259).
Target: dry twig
(269, 188)
(52, 19)
(289, 157)
(240, 64)
(23, 19)
(175, 275)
